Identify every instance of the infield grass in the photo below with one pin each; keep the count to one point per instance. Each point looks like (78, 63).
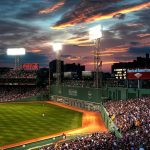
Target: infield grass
(24, 121)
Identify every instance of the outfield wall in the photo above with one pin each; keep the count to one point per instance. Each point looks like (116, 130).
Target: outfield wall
(97, 95)
(91, 106)
(118, 93)
(80, 93)
(39, 97)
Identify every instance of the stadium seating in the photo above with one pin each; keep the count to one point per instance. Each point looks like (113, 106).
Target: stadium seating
(12, 93)
(18, 74)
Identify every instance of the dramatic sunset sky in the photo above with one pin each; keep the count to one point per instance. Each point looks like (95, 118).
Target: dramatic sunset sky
(35, 24)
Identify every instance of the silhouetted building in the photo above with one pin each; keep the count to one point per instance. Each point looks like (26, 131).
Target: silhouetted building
(4, 69)
(67, 69)
(53, 65)
(73, 68)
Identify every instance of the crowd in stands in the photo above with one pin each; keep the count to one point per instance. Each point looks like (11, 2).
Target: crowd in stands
(101, 141)
(133, 120)
(11, 93)
(17, 81)
(19, 74)
(18, 77)
(129, 114)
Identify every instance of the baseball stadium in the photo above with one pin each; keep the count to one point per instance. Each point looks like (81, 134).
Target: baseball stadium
(60, 112)
(74, 75)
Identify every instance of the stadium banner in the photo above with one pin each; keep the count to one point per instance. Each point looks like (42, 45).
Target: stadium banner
(30, 66)
(135, 74)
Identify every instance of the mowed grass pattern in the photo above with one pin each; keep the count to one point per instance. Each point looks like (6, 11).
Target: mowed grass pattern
(24, 121)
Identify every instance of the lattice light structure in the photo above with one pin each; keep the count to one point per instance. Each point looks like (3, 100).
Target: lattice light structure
(57, 47)
(95, 34)
(17, 52)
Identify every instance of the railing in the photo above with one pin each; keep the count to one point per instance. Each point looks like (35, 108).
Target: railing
(38, 144)
(109, 123)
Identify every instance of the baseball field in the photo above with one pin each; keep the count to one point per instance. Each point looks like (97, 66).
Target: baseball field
(24, 121)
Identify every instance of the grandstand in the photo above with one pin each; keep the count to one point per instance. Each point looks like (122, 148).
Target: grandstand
(127, 119)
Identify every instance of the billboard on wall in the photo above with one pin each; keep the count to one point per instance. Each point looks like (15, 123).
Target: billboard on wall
(30, 66)
(135, 74)
(87, 74)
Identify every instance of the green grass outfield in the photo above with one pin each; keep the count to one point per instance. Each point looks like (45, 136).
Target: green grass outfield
(23, 121)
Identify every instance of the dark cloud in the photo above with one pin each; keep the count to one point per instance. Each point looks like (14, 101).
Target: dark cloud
(88, 11)
(14, 34)
(119, 16)
(139, 50)
(144, 18)
(88, 57)
(35, 57)
(70, 57)
(9, 61)
(31, 13)
(84, 10)
(65, 56)
(134, 43)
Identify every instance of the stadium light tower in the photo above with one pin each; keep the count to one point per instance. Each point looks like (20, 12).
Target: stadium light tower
(57, 47)
(17, 52)
(95, 35)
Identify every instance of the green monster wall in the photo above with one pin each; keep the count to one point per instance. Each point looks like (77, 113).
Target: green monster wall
(97, 95)
(87, 94)
(117, 93)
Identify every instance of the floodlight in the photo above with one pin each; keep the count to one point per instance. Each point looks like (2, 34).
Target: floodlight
(95, 32)
(16, 51)
(57, 47)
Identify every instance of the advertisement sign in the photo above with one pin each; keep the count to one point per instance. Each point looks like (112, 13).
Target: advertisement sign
(30, 66)
(136, 74)
(72, 92)
(87, 74)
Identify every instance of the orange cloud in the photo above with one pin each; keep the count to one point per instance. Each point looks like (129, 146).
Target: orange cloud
(104, 55)
(134, 24)
(78, 40)
(86, 44)
(83, 18)
(103, 63)
(36, 50)
(73, 58)
(109, 62)
(143, 35)
(144, 42)
(117, 49)
(52, 8)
